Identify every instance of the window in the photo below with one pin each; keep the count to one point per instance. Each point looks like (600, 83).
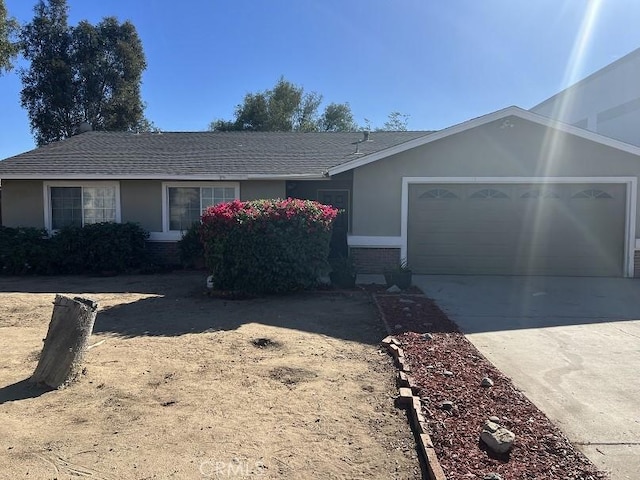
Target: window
(540, 194)
(438, 193)
(592, 193)
(489, 193)
(78, 205)
(186, 203)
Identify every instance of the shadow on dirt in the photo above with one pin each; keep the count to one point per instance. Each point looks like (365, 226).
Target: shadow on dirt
(345, 315)
(178, 304)
(159, 284)
(21, 390)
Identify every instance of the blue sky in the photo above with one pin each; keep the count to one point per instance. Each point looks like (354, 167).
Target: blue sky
(441, 62)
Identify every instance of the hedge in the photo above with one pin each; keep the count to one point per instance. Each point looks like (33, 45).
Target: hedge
(96, 248)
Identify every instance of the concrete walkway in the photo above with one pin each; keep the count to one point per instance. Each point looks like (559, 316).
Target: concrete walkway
(571, 344)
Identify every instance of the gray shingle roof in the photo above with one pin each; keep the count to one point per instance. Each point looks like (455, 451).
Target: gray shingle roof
(193, 155)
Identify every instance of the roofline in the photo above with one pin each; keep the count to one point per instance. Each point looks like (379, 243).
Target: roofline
(588, 78)
(483, 120)
(220, 177)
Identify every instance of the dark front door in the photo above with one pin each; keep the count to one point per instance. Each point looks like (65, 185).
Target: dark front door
(337, 199)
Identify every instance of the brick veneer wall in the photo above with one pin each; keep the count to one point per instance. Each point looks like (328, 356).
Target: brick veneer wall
(636, 270)
(164, 253)
(375, 260)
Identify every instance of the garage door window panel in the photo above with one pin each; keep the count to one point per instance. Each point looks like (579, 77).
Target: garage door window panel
(537, 194)
(593, 193)
(438, 194)
(487, 193)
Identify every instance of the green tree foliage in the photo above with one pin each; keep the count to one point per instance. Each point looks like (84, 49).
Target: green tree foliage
(88, 73)
(337, 117)
(286, 108)
(8, 44)
(396, 122)
(109, 61)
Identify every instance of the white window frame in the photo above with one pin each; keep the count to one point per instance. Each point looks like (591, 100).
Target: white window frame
(173, 235)
(81, 184)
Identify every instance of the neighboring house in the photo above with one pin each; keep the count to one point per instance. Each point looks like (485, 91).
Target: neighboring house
(508, 193)
(605, 102)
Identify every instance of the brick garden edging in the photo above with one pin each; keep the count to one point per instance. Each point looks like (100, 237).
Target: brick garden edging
(406, 398)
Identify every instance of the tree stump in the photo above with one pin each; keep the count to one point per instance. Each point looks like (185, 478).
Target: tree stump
(69, 331)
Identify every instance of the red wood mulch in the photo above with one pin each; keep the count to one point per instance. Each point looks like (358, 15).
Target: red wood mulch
(540, 451)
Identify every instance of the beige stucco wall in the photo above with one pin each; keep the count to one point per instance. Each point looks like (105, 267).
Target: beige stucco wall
(256, 190)
(523, 150)
(22, 203)
(141, 202)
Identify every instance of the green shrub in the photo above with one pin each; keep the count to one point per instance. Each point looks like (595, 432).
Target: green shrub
(96, 248)
(267, 245)
(190, 247)
(66, 251)
(24, 251)
(111, 247)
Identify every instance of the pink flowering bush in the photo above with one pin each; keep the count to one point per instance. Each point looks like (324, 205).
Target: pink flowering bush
(265, 246)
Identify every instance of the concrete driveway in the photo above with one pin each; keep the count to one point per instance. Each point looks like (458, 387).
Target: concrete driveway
(571, 344)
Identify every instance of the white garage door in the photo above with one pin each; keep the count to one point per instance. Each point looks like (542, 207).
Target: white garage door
(517, 229)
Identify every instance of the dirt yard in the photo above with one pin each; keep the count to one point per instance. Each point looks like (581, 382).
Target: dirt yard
(186, 386)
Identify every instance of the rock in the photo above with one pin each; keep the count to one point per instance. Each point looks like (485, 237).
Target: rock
(406, 309)
(446, 405)
(427, 336)
(492, 476)
(447, 373)
(497, 438)
(389, 340)
(494, 419)
(405, 395)
(486, 382)
(393, 289)
(406, 300)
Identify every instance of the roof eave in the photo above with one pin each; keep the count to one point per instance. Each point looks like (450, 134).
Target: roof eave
(199, 177)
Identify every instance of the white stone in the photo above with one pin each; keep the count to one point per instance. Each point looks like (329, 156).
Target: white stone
(497, 438)
(446, 405)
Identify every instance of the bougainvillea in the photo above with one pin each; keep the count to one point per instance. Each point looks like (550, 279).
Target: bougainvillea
(267, 245)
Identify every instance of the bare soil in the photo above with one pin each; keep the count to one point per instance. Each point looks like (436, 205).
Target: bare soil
(188, 386)
(540, 451)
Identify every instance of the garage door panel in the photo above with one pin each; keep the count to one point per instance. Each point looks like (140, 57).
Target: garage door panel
(471, 264)
(456, 250)
(560, 229)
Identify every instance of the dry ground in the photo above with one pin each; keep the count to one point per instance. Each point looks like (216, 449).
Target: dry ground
(184, 387)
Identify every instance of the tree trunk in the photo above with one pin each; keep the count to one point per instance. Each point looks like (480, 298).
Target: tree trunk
(69, 331)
